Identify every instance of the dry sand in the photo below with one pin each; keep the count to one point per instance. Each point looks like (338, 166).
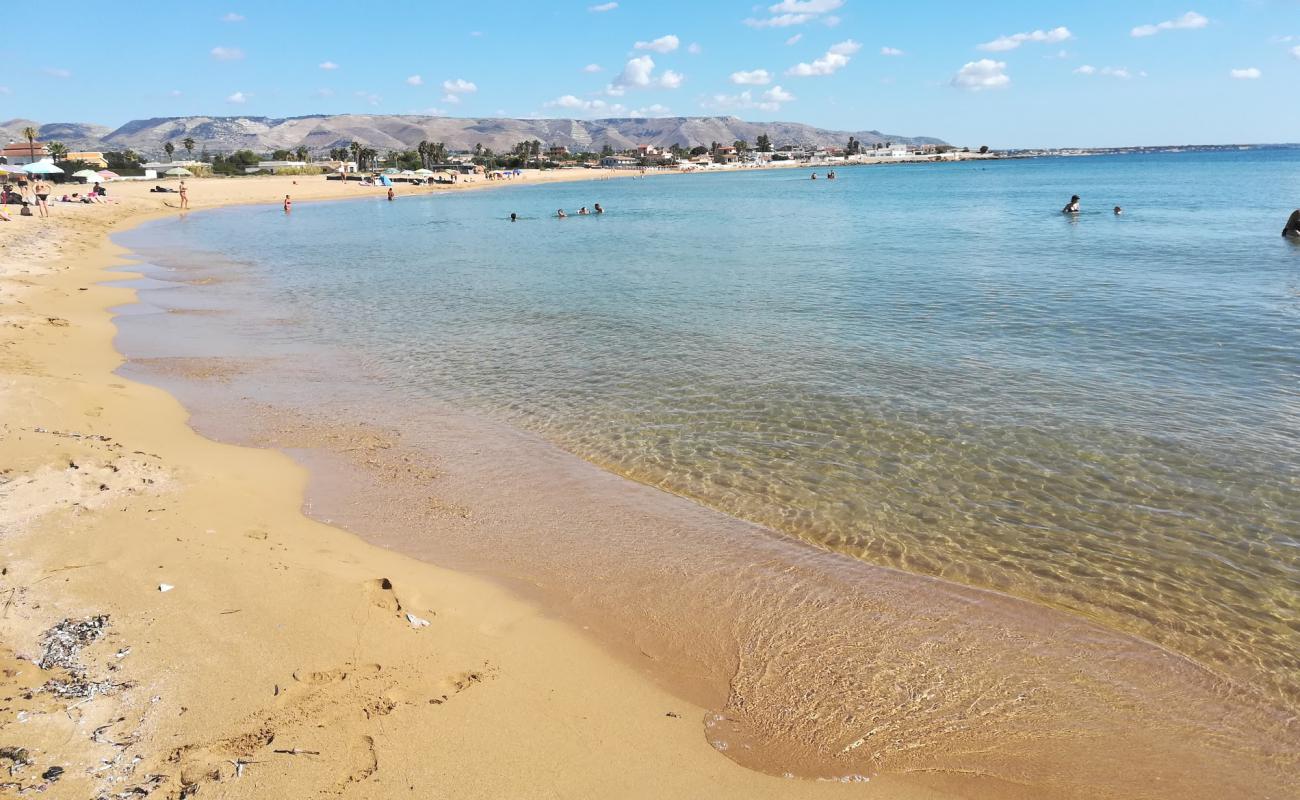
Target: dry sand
(282, 662)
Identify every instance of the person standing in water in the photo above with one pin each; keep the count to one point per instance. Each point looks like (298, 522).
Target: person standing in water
(185, 195)
(1071, 207)
(1292, 229)
(1118, 211)
(390, 194)
(288, 204)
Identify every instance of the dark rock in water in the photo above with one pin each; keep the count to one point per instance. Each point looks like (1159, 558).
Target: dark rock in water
(52, 774)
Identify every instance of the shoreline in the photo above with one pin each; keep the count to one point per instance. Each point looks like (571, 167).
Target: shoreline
(186, 454)
(273, 622)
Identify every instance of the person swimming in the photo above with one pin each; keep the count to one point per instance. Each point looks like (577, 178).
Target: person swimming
(1071, 207)
(582, 212)
(1292, 229)
(814, 176)
(830, 176)
(514, 217)
(599, 210)
(1118, 211)
(560, 214)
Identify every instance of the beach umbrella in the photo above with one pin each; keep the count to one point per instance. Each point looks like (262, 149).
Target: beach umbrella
(391, 171)
(8, 169)
(89, 175)
(42, 168)
(424, 172)
(179, 172)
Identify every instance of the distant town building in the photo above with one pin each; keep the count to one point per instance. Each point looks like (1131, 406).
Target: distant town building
(619, 162)
(558, 152)
(19, 153)
(95, 159)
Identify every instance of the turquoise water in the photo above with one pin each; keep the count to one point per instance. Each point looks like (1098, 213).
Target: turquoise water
(925, 366)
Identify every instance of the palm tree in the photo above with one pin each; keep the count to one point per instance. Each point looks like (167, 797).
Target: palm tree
(355, 149)
(169, 148)
(422, 150)
(301, 152)
(58, 150)
(29, 133)
(188, 144)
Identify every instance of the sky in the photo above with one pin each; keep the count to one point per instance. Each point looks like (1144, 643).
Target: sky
(1005, 74)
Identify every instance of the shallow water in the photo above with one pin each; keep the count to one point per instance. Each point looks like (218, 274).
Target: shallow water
(921, 367)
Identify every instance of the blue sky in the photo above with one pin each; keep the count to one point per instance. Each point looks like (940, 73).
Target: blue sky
(1005, 74)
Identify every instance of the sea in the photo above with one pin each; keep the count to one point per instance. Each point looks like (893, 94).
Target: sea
(938, 479)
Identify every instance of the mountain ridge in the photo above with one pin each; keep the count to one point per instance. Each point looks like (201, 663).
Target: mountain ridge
(321, 132)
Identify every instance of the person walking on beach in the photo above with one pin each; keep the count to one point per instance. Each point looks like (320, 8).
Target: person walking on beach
(1292, 229)
(1071, 207)
(185, 196)
(42, 194)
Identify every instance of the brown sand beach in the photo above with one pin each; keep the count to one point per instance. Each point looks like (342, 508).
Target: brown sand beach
(174, 624)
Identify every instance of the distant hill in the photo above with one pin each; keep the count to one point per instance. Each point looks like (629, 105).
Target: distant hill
(400, 132)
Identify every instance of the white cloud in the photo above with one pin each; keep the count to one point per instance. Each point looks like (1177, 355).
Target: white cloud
(602, 8)
(753, 77)
(459, 86)
(1295, 52)
(778, 95)
(797, 12)
(638, 73)
(227, 53)
(6, 90)
(238, 98)
(1108, 72)
(1003, 43)
(328, 65)
(573, 103)
(175, 93)
(794, 39)
(437, 112)
(451, 98)
(664, 44)
(415, 80)
(835, 59)
(233, 17)
(890, 51)
(1246, 74)
(57, 72)
(653, 110)
(370, 98)
(694, 48)
(770, 100)
(1189, 21)
(986, 73)
(593, 68)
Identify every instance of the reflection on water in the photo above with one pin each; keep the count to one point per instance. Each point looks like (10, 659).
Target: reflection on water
(921, 367)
